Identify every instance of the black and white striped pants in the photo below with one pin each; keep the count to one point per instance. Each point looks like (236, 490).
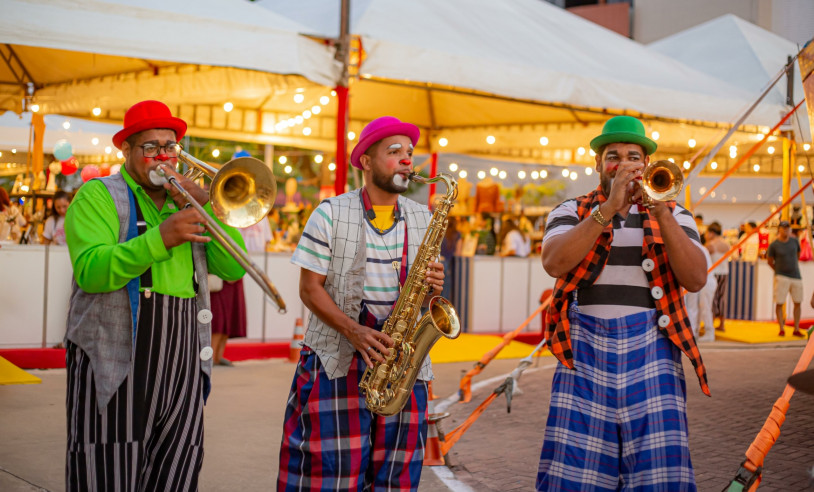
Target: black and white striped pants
(150, 436)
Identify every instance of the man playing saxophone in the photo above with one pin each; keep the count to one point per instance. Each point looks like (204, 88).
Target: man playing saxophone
(355, 253)
(618, 325)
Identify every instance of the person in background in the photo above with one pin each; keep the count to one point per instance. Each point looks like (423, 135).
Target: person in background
(138, 354)
(355, 252)
(717, 248)
(450, 248)
(699, 224)
(11, 219)
(617, 324)
(699, 304)
(783, 257)
(513, 242)
(53, 232)
(487, 239)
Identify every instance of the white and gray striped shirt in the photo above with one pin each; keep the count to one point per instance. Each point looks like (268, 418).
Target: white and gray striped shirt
(622, 288)
(381, 280)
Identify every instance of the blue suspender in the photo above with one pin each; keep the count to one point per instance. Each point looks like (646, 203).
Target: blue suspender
(133, 284)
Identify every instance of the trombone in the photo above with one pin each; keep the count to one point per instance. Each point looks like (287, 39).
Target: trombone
(241, 193)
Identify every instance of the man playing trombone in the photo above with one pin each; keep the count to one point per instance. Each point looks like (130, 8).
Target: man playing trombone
(618, 325)
(138, 335)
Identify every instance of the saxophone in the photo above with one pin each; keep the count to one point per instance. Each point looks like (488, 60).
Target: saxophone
(388, 385)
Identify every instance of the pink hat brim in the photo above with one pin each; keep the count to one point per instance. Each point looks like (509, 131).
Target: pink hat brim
(407, 129)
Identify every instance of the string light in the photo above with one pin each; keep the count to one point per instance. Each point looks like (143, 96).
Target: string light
(94, 141)
(215, 153)
(324, 100)
(287, 169)
(535, 175)
(283, 159)
(351, 135)
(332, 167)
(481, 174)
(453, 167)
(299, 98)
(581, 151)
(800, 168)
(66, 124)
(490, 139)
(770, 150)
(97, 111)
(573, 176)
(713, 165)
(306, 131)
(588, 171)
(756, 167)
(806, 147)
(502, 175)
(655, 135)
(543, 140)
(119, 154)
(543, 174)
(592, 153)
(306, 114)
(228, 107)
(686, 164)
(463, 173)
(316, 109)
(565, 173)
(521, 174)
(108, 150)
(493, 171)
(35, 108)
(691, 143)
(443, 142)
(318, 158)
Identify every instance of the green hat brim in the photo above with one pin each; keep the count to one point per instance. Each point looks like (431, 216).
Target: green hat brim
(647, 144)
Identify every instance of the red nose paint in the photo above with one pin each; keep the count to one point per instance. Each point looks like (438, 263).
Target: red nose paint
(406, 162)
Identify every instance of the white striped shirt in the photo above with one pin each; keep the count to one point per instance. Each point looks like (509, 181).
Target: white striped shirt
(381, 288)
(622, 287)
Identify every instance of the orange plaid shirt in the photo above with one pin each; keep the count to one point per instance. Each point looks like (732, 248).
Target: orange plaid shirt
(585, 274)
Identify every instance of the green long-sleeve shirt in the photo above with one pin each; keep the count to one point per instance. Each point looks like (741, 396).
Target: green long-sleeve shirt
(102, 264)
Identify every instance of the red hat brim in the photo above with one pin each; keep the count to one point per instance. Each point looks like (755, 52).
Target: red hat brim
(177, 125)
(407, 129)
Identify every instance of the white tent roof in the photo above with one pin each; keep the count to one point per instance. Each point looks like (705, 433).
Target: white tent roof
(121, 36)
(525, 49)
(741, 54)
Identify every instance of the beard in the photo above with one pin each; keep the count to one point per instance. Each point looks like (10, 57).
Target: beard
(606, 181)
(396, 184)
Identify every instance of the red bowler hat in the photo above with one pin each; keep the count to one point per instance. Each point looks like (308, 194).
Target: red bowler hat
(380, 128)
(148, 115)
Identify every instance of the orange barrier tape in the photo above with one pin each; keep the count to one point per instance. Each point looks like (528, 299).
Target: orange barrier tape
(451, 438)
(748, 154)
(466, 381)
(770, 431)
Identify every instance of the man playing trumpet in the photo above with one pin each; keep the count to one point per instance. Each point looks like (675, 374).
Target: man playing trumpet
(138, 335)
(618, 325)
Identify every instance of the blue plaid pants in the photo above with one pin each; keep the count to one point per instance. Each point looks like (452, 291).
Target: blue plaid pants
(619, 420)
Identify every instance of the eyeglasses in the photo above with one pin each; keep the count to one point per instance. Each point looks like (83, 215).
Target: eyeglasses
(152, 150)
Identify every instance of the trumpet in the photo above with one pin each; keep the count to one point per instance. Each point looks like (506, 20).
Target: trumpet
(662, 181)
(241, 193)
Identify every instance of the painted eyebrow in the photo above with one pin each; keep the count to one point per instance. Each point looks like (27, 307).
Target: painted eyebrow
(394, 146)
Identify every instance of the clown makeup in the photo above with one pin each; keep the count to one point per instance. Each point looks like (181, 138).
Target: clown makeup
(401, 182)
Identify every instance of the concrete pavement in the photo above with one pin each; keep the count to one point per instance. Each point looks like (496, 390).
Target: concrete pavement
(499, 452)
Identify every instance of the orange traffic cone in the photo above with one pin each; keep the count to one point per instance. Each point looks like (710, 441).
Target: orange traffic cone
(296, 341)
(433, 456)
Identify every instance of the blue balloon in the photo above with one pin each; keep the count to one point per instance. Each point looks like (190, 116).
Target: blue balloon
(241, 153)
(63, 150)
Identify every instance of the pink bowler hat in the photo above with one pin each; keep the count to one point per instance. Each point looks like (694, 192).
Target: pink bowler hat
(148, 115)
(380, 128)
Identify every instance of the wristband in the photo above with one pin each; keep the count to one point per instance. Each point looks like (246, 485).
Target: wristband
(597, 216)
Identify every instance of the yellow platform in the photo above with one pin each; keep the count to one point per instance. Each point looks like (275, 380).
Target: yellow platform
(11, 374)
(755, 332)
(470, 348)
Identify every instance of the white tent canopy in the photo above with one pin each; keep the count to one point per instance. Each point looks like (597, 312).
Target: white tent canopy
(525, 49)
(741, 54)
(122, 39)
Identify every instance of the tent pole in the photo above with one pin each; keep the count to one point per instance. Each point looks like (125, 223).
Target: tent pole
(342, 113)
(433, 173)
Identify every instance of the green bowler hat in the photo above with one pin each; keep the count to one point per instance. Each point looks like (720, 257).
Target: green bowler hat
(623, 129)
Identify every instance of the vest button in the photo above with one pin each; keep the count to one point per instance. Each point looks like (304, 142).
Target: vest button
(648, 265)
(206, 353)
(657, 292)
(664, 320)
(204, 316)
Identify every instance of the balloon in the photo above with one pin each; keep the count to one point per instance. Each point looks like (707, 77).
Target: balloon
(69, 166)
(104, 169)
(89, 172)
(241, 153)
(63, 150)
(115, 168)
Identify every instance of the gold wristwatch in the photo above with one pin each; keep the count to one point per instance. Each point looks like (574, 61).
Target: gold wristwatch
(597, 216)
